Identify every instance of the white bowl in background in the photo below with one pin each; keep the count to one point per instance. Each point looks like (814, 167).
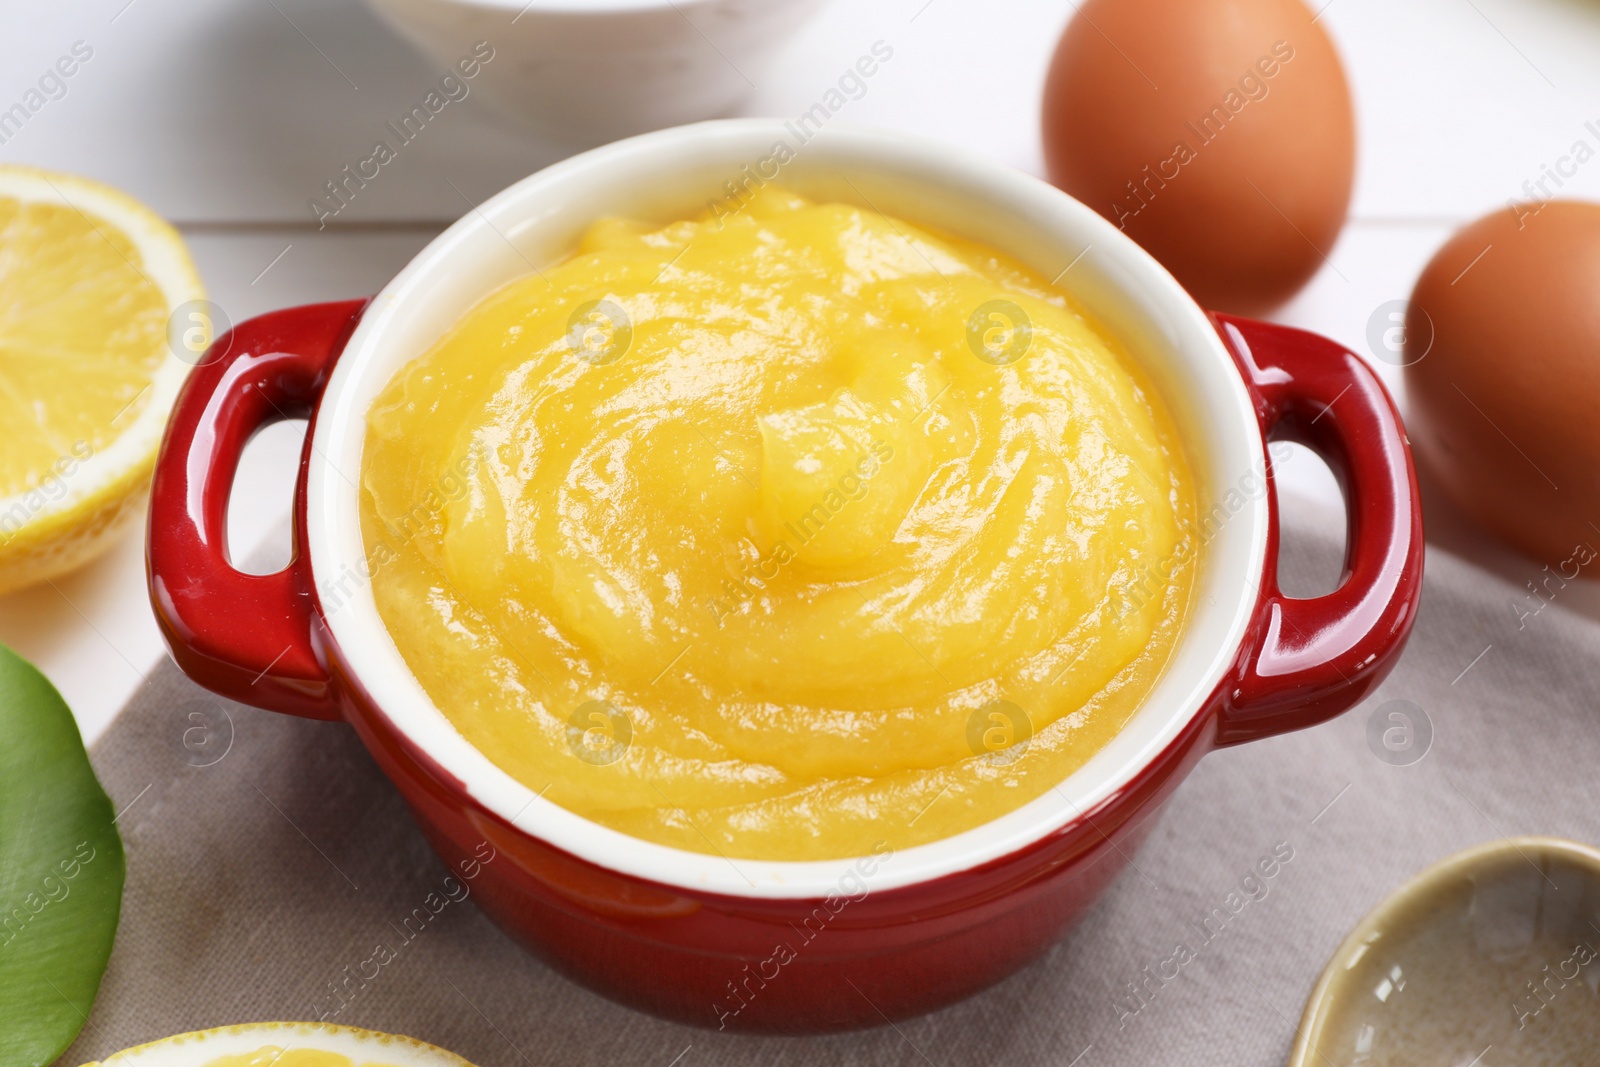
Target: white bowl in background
(585, 72)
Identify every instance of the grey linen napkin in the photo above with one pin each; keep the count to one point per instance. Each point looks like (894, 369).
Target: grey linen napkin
(266, 855)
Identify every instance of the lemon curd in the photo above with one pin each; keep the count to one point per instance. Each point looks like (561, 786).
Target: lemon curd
(799, 533)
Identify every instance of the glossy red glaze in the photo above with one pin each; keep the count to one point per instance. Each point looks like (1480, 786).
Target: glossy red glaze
(245, 636)
(748, 963)
(1318, 657)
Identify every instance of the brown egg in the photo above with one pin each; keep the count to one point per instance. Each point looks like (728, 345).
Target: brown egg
(1219, 134)
(1503, 381)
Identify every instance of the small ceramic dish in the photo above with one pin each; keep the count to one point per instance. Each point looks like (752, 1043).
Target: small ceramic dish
(1490, 957)
(694, 936)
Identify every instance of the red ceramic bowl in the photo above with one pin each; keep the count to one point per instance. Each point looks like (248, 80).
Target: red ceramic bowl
(745, 944)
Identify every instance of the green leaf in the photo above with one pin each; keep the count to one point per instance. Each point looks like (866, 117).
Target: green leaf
(61, 869)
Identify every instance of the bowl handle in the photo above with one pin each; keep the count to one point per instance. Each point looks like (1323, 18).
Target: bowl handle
(248, 637)
(1309, 660)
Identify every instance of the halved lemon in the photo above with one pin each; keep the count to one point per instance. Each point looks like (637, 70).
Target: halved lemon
(92, 286)
(285, 1045)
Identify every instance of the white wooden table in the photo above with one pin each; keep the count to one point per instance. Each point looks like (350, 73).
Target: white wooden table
(227, 115)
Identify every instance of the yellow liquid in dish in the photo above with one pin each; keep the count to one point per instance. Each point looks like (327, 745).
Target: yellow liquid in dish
(802, 542)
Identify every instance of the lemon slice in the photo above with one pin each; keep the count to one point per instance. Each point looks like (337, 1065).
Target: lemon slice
(89, 281)
(285, 1045)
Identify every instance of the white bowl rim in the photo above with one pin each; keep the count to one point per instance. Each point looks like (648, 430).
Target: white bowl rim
(585, 7)
(335, 548)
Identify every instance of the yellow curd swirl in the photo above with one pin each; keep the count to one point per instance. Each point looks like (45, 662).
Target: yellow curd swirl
(793, 534)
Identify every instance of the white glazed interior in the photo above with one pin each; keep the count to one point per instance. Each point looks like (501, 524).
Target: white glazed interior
(668, 175)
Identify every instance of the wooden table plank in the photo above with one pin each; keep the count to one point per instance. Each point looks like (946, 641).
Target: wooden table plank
(240, 110)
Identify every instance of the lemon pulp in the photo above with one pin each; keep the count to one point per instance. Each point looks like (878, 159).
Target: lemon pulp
(273, 1056)
(73, 357)
(797, 534)
(88, 280)
(284, 1044)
